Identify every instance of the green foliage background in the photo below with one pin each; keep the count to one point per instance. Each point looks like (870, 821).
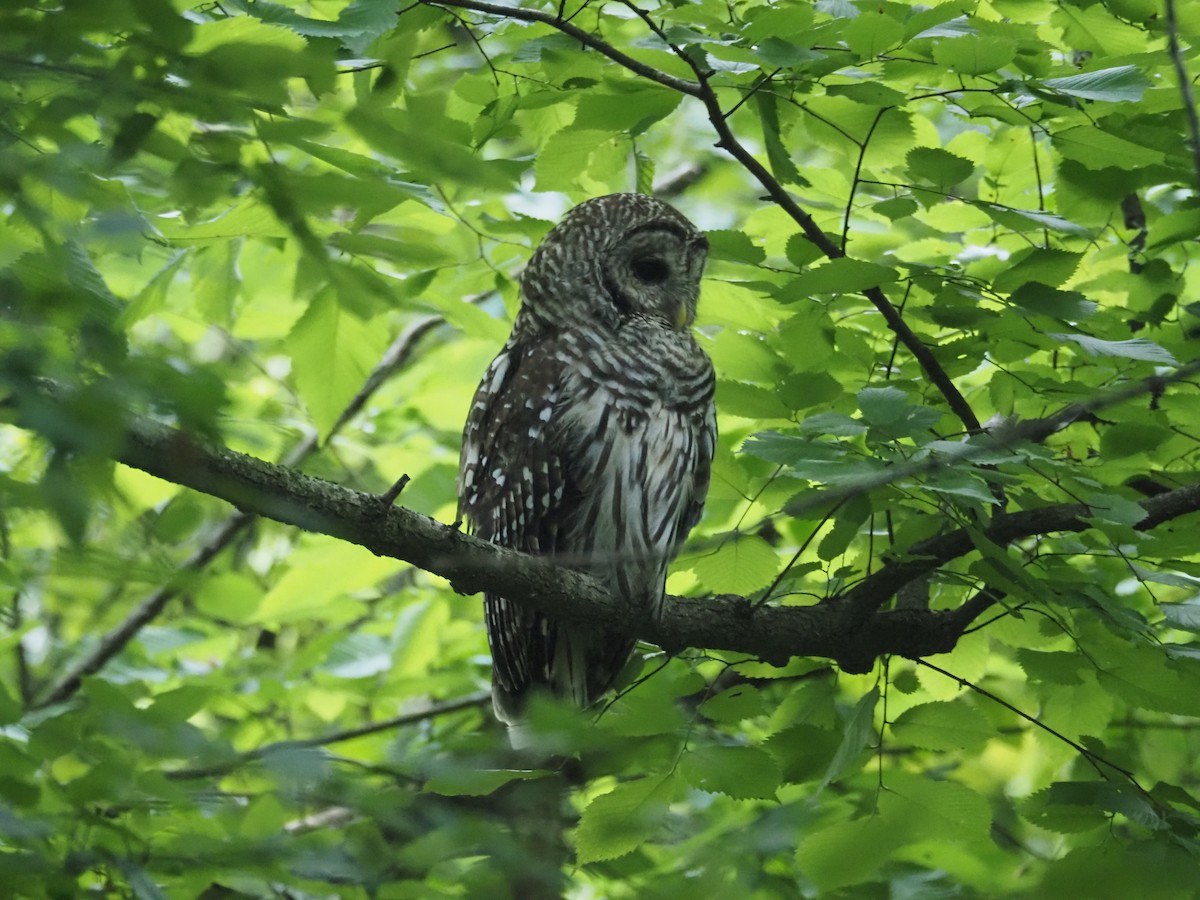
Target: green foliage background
(224, 214)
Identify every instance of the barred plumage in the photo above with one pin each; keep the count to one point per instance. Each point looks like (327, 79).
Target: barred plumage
(591, 435)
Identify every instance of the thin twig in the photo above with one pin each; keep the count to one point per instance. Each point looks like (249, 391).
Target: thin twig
(348, 734)
(584, 37)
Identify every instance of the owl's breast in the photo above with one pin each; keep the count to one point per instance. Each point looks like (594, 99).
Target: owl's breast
(641, 369)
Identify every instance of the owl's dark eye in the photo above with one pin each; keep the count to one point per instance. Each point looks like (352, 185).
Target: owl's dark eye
(651, 270)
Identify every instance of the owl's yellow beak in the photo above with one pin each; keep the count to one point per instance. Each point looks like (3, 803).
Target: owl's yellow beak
(681, 317)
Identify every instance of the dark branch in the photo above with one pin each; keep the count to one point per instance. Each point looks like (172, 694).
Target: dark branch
(849, 629)
(584, 37)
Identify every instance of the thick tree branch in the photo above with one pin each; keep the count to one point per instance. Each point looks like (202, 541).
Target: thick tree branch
(848, 629)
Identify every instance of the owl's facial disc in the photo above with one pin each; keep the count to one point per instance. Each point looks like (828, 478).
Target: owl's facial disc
(655, 272)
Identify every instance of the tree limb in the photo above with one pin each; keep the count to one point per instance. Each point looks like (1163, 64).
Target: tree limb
(849, 629)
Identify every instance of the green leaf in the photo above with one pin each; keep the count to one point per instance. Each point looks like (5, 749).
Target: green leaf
(1066, 807)
(973, 54)
(242, 30)
(834, 424)
(1126, 439)
(801, 251)
(740, 565)
(618, 822)
(1185, 616)
(873, 33)
(1134, 348)
(332, 353)
(857, 733)
(1121, 84)
(842, 276)
(868, 93)
(846, 524)
(1050, 267)
(628, 111)
(733, 704)
(1098, 149)
(750, 401)
(1023, 220)
(318, 575)
(744, 773)
(940, 168)
(949, 725)
(1180, 225)
(432, 146)
(777, 153)
(465, 782)
(883, 406)
(1047, 301)
(734, 246)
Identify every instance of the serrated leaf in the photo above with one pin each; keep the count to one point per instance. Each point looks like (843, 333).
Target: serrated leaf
(777, 153)
(883, 406)
(800, 251)
(740, 565)
(1047, 301)
(846, 523)
(1065, 807)
(941, 810)
(734, 704)
(859, 729)
(1184, 616)
(947, 725)
(1134, 348)
(842, 276)
(1049, 267)
(1180, 225)
(618, 822)
(973, 54)
(911, 809)
(868, 93)
(318, 575)
(744, 773)
(1051, 667)
(630, 112)
(1121, 84)
(735, 246)
(1022, 220)
(466, 782)
(1096, 148)
(1128, 438)
(834, 424)
(750, 401)
(938, 167)
(332, 353)
(207, 36)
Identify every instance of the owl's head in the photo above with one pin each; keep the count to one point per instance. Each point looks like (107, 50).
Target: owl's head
(614, 257)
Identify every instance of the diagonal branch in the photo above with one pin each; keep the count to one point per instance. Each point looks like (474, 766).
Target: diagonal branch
(691, 88)
(116, 638)
(849, 629)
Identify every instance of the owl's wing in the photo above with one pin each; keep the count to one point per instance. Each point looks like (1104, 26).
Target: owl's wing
(706, 444)
(513, 492)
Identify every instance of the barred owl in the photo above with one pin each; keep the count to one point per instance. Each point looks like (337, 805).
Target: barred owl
(591, 435)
